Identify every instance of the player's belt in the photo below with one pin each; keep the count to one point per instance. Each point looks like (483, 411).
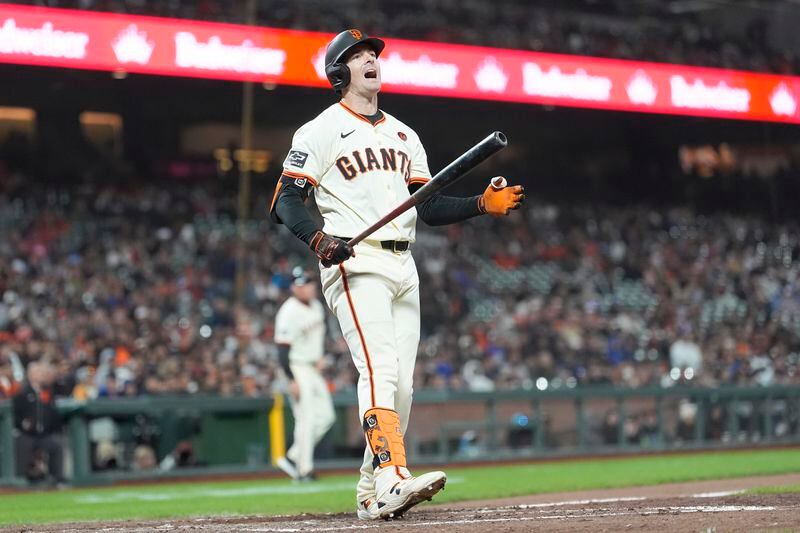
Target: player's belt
(395, 246)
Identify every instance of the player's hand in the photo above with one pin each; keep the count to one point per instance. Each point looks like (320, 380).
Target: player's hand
(294, 390)
(330, 250)
(498, 199)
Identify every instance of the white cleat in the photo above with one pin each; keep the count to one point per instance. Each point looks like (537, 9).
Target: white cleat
(368, 510)
(288, 466)
(407, 493)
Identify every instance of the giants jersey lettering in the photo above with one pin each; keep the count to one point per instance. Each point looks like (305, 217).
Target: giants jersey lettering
(303, 328)
(359, 171)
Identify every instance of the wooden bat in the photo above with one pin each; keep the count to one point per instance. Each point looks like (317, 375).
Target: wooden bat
(446, 177)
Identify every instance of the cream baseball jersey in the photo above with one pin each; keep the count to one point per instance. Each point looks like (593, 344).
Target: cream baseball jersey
(303, 328)
(359, 171)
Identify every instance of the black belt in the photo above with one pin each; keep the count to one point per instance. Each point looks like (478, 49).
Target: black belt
(395, 246)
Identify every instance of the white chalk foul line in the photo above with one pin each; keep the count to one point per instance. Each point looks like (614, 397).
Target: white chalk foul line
(582, 502)
(719, 494)
(188, 493)
(506, 508)
(709, 509)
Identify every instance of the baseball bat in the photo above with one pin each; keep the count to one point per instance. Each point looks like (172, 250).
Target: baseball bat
(450, 174)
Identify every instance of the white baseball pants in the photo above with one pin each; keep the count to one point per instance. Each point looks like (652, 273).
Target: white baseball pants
(313, 415)
(375, 296)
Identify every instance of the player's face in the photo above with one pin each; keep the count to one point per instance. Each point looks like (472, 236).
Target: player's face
(305, 293)
(365, 71)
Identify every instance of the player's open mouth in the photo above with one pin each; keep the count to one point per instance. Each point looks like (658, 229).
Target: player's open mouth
(371, 74)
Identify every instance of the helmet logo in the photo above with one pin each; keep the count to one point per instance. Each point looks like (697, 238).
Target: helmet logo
(356, 34)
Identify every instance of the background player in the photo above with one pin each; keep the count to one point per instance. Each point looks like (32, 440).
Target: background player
(362, 162)
(300, 336)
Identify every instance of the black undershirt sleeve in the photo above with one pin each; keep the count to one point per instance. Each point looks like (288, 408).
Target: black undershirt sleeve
(291, 210)
(439, 210)
(283, 357)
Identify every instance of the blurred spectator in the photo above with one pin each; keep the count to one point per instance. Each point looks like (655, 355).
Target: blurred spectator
(39, 450)
(144, 458)
(609, 430)
(181, 457)
(8, 385)
(520, 431)
(685, 353)
(106, 456)
(687, 414)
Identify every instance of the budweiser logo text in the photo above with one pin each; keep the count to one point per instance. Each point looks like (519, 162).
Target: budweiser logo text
(421, 72)
(698, 95)
(44, 41)
(213, 55)
(554, 83)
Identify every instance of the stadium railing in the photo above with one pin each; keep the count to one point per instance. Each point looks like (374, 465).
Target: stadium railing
(243, 435)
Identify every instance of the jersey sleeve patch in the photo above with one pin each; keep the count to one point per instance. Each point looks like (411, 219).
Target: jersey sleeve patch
(299, 178)
(296, 159)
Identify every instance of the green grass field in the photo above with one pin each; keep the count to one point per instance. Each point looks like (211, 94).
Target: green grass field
(337, 493)
(775, 490)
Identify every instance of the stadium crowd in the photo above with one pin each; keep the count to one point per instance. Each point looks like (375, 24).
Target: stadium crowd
(126, 291)
(614, 29)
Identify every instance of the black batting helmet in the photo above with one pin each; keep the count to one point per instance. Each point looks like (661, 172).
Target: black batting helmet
(336, 56)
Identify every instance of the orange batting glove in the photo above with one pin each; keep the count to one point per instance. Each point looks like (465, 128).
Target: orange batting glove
(498, 199)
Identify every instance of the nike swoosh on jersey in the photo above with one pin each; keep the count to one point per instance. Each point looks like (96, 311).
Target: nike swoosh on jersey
(345, 134)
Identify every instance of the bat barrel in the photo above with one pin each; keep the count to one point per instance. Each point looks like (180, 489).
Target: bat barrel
(493, 143)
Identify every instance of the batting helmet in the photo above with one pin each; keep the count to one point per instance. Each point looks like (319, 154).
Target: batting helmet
(336, 56)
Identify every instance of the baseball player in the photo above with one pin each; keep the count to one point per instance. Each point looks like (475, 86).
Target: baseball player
(300, 336)
(361, 162)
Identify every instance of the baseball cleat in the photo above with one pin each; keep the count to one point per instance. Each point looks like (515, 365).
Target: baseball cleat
(288, 466)
(307, 478)
(367, 510)
(407, 493)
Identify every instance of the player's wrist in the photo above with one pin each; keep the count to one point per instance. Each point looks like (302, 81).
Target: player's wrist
(481, 205)
(315, 240)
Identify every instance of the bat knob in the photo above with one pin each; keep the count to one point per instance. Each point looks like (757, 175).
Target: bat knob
(498, 183)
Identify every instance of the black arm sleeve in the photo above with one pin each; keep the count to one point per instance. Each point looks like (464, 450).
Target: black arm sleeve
(439, 210)
(283, 357)
(291, 210)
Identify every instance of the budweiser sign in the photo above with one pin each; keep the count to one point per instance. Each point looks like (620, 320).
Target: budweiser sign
(150, 45)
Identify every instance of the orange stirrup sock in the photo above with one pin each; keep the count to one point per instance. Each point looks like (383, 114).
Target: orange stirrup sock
(385, 438)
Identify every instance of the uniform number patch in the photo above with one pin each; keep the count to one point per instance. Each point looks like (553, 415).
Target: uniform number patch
(296, 158)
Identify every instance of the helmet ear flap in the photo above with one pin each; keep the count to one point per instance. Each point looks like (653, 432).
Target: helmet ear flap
(338, 76)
